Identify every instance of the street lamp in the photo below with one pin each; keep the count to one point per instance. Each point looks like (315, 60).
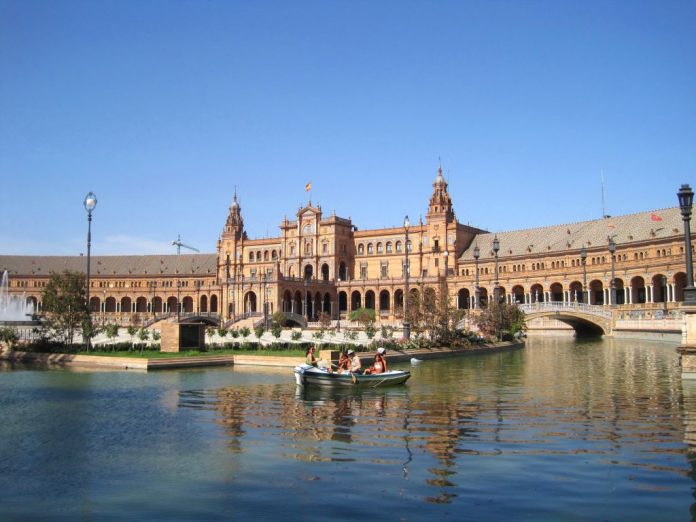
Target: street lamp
(265, 302)
(686, 200)
(612, 283)
(664, 293)
(477, 254)
(406, 324)
(90, 204)
(496, 288)
(445, 257)
(583, 258)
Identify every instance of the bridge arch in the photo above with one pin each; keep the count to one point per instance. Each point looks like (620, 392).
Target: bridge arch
(586, 320)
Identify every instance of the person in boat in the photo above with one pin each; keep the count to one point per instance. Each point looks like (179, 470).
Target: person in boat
(380, 364)
(311, 359)
(343, 362)
(355, 366)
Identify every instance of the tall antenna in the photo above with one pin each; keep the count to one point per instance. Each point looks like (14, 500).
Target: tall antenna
(604, 214)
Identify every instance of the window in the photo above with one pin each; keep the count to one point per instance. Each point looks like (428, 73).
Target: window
(361, 249)
(389, 247)
(324, 248)
(251, 257)
(384, 270)
(363, 271)
(370, 248)
(379, 248)
(398, 246)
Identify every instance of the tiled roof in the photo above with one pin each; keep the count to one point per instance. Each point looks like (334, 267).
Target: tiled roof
(651, 225)
(190, 264)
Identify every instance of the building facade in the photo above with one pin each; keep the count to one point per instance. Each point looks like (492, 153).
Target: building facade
(324, 264)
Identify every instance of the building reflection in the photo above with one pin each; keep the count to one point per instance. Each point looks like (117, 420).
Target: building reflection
(609, 402)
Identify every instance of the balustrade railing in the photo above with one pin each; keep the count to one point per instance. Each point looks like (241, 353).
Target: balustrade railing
(553, 306)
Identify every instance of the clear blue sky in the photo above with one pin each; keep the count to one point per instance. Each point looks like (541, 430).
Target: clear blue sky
(162, 107)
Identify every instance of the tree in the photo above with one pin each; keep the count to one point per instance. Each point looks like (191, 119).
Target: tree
(143, 335)
(64, 305)
(278, 318)
(364, 316)
(8, 335)
(276, 330)
(222, 331)
(111, 330)
(210, 331)
(259, 331)
(501, 318)
(132, 330)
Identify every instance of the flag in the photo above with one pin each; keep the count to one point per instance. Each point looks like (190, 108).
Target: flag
(308, 186)
(655, 217)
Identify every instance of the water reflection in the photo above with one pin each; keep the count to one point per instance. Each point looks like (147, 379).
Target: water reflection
(543, 411)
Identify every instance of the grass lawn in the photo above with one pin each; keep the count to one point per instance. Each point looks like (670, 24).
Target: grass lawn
(195, 353)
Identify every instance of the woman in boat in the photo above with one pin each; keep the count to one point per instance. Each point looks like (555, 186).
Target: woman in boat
(343, 363)
(355, 366)
(380, 364)
(311, 360)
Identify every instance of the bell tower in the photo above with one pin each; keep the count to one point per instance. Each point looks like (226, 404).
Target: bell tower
(440, 206)
(234, 226)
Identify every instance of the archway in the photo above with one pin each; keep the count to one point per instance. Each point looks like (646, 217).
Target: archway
(287, 301)
(110, 304)
(298, 303)
(308, 272)
(126, 305)
(355, 300)
(518, 294)
(537, 293)
(94, 303)
(342, 302)
(156, 305)
(213, 304)
(638, 290)
(187, 304)
(575, 289)
(399, 301)
(172, 304)
(342, 272)
(463, 299)
(325, 272)
(384, 301)
(596, 289)
(250, 304)
(141, 305)
(483, 297)
(204, 304)
(370, 299)
(659, 282)
(620, 294)
(556, 291)
(326, 305)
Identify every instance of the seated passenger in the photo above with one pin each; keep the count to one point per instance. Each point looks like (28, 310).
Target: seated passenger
(355, 366)
(311, 360)
(380, 364)
(343, 363)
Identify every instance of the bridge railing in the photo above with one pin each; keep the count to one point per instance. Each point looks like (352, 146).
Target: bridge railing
(559, 306)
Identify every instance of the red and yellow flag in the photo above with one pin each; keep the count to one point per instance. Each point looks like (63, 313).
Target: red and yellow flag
(308, 186)
(655, 217)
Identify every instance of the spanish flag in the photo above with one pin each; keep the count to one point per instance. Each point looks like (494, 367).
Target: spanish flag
(308, 187)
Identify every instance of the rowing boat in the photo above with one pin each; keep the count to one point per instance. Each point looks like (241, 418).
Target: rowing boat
(306, 375)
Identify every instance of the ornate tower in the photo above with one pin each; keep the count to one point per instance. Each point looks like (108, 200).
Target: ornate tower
(440, 202)
(234, 226)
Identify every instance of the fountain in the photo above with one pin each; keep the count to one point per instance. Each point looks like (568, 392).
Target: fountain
(14, 309)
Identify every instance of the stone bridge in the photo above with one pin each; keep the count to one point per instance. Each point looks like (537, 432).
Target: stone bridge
(584, 318)
(212, 319)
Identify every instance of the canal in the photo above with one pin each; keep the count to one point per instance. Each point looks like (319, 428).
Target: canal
(562, 430)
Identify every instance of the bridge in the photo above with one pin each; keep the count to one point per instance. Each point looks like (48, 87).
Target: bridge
(584, 318)
(210, 318)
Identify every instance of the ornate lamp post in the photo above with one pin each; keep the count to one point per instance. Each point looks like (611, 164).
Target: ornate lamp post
(477, 254)
(686, 200)
(265, 302)
(90, 204)
(612, 283)
(663, 280)
(496, 287)
(406, 323)
(583, 258)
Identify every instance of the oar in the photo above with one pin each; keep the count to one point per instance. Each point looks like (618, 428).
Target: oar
(353, 377)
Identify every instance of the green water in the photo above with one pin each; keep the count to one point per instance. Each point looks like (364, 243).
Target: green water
(558, 431)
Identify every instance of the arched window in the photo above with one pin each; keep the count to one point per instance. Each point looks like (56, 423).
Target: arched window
(370, 248)
(398, 246)
(389, 247)
(361, 249)
(379, 248)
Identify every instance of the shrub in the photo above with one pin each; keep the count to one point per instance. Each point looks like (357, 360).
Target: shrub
(296, 335)
(234, 333)
(276, 330)
(222, 332)
(259, 331)
(244, 331)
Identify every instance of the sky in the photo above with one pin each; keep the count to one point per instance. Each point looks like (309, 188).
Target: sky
(162, 108)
